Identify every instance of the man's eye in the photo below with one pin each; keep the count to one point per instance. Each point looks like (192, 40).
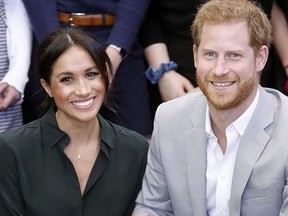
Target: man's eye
(234, 55)
(210, 55)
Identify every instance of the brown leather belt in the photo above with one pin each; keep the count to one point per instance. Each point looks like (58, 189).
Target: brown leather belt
(82, 19)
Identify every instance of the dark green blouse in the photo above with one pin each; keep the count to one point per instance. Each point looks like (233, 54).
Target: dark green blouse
(38, 179)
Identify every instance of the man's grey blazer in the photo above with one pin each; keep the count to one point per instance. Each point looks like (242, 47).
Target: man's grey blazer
(175, 178)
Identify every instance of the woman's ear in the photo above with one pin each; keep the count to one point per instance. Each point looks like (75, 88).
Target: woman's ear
(46, 87)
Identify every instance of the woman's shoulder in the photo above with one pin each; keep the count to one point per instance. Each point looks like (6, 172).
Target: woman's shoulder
(128, 134)
(130, 144)
(25, 134)
(119, 135)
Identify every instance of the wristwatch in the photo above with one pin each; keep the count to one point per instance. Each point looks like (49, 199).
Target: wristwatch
(122, 52)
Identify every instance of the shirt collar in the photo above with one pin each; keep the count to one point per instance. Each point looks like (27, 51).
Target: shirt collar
(107, 138)
(52, 135)
(240, 124)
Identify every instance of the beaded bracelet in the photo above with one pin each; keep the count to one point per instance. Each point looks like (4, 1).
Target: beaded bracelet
(154, 74)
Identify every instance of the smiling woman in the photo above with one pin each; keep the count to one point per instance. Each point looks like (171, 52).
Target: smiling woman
(71, 161)
(76, 85)
(63, 46)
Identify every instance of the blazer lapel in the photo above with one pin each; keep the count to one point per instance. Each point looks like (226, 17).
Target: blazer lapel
(195, 142)
(250, 148)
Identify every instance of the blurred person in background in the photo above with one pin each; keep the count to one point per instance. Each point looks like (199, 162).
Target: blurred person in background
(280, 29)
(15, 51)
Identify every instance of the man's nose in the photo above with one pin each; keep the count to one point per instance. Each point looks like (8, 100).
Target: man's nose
(221, 66)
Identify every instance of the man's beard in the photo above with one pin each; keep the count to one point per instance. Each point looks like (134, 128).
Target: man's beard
(224, 100)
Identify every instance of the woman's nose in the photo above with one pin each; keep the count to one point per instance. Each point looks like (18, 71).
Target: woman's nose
(82, 89)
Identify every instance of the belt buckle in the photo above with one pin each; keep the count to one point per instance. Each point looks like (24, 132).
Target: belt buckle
(71, 17)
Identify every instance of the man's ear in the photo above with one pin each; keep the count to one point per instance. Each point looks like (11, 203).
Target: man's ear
(46, 87)
(195, 51)
(261, 58)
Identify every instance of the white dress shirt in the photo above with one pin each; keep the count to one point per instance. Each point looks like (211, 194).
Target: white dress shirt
(19, 44)
(220, 166)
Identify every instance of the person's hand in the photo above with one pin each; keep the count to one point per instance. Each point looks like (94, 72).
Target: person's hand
(172, 85)
(115, 60)
(8, 96)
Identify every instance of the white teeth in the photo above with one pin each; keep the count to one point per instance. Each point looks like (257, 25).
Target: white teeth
(83, 104)
(222, 84)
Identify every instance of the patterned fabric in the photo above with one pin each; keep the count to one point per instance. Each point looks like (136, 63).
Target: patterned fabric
(10, 118)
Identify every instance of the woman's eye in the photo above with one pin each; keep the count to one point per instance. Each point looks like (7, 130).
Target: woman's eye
(66, 79)
(92, 74)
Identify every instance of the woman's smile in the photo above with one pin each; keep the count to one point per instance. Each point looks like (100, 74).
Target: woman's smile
(83, 104)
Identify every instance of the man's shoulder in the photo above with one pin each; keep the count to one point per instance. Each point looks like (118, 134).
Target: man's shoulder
(195, 100)
(180, 113)
(281, 99)
(273, 102)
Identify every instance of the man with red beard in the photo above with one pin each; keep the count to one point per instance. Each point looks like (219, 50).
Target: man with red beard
(222, 151)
